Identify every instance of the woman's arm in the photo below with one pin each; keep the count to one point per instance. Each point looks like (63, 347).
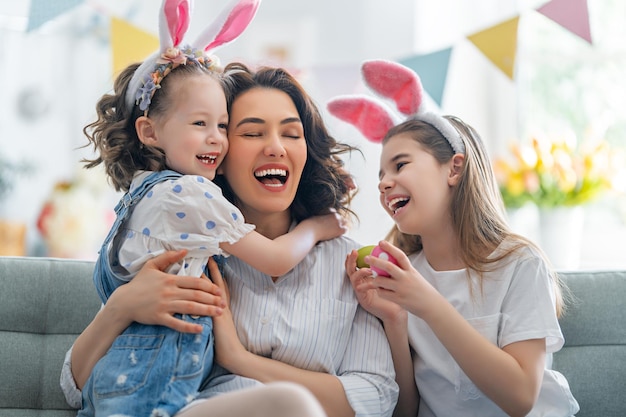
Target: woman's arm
(276, 257)
(231, 354)
(152, 297)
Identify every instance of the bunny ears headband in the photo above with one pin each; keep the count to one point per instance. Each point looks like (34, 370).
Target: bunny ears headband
(400, 84)
(174, 17)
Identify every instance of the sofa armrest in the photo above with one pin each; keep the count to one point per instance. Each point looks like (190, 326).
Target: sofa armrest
(44, 304)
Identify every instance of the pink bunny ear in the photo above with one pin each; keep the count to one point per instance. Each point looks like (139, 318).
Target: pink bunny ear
(230, 23)
(369, 116)
(173, 22)
(396, 82)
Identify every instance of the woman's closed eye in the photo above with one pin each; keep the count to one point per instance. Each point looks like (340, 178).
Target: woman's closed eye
(252, 134)
(292, 135)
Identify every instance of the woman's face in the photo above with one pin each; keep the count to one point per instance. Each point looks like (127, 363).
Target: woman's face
(267, 151)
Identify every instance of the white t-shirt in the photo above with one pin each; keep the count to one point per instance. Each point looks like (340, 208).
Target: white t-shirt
(190, 213)
(517, 303)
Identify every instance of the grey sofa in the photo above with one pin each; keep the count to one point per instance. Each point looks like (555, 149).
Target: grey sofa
(45, 303)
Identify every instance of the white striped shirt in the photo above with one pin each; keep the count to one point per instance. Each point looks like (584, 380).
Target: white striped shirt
(310, 318)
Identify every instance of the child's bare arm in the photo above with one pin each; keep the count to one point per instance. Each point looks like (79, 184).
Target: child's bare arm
(278, 256)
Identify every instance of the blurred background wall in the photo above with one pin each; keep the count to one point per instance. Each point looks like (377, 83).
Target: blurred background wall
(52, 75)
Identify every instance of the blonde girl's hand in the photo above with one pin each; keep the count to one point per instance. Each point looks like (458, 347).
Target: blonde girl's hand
(154, 296)
(367, 292)
(405, 286)
(228, 347)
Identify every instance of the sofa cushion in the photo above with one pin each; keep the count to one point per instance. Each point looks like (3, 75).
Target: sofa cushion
(594, 356)
(45, 304)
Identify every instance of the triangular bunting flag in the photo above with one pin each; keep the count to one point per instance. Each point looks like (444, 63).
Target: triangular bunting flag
(432, 69)
(499, 44)
(130, 44)
(42, 11)
(573, 15)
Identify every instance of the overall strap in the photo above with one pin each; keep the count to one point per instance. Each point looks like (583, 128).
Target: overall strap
(133, 196)
(105, 279)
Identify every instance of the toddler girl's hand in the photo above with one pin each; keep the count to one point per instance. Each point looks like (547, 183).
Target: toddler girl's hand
(329, 226)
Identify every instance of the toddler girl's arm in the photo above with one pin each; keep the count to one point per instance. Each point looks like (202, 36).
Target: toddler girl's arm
(278, 256)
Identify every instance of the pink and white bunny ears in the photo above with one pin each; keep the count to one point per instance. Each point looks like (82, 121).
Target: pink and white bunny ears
(174, 18)
(401, 85)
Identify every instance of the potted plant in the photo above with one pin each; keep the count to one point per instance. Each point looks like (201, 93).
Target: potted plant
(559, 178)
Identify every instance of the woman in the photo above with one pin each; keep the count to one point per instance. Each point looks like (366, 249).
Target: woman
(305, 326)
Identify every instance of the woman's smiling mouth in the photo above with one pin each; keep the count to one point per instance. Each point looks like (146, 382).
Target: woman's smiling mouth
(273, 177)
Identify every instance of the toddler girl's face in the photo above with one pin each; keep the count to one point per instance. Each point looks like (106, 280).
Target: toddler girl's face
(192, 132)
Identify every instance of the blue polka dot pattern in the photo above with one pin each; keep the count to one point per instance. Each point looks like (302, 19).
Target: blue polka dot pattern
(210, 224)
(130, 234)
(177, 188)
(150, 193)
(146, 231)
(180, 215)
(208, 195)
(184, 236)
(234, 215)
(200, 179)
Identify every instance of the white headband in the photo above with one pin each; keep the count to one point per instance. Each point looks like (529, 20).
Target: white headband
(400, 84)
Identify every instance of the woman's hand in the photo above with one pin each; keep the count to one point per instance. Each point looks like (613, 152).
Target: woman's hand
(228, 347)
(154, 296)
(367, 293)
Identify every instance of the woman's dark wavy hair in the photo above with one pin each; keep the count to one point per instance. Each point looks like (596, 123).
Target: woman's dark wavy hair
(324, 182)
(113, 135)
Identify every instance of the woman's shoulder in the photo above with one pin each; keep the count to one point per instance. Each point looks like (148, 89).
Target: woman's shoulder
(343, 241)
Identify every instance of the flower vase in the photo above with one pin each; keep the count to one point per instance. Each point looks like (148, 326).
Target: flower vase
(524, 220)
(12, 238)
(561, 235)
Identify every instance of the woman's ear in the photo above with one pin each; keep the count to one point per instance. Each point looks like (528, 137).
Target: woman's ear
(145, 130)
(456, 169)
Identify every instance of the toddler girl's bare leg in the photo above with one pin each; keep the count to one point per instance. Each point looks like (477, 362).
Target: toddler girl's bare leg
(280, 399)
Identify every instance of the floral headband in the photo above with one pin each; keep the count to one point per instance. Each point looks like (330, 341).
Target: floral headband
(174, 18)
(403, 86)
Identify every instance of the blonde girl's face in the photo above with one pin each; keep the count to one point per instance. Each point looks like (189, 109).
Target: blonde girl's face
(415, 189)
(192, 132)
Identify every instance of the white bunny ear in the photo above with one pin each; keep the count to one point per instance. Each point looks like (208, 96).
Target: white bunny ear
(372, 118)
(396, 82)
(228, 25)
(174, 20)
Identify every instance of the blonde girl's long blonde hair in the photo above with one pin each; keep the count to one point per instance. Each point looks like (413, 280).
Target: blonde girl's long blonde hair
(477, 210)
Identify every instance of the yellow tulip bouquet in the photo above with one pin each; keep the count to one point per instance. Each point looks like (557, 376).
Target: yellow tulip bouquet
(553, 173)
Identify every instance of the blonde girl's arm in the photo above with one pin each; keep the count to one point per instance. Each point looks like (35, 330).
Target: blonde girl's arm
(278, 256)
(510, 377)
(395, 322)
(408, 399)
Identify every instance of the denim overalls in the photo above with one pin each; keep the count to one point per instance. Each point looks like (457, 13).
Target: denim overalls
(149, 370)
